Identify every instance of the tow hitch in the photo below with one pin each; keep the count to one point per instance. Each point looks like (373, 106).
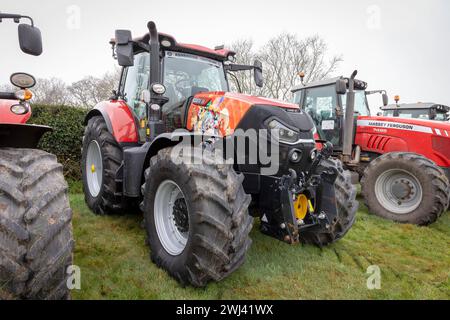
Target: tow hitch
(319, 188)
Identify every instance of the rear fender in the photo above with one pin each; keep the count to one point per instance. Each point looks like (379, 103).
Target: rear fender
(21, 135)
(119, 119)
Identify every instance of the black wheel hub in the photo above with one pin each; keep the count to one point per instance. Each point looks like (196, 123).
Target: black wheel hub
(180, 215)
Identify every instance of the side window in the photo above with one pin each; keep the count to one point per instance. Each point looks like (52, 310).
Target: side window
(320, 103)
(297, 97)
(137, 77)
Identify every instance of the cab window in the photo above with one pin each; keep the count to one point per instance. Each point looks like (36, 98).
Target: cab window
(321, 103)
(361, 107)
(136, 80)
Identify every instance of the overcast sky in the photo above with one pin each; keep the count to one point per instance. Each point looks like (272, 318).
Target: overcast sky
(402, 46)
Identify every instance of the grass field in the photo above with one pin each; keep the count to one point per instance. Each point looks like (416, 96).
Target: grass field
(414, 263)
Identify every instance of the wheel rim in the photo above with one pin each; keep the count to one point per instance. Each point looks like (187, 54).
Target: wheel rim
(171, 217)
(94, 168)
(398, 191)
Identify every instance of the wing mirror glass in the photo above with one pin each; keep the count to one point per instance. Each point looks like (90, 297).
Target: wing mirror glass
(385, 99)
(124, 48)
(30, 39)
(341, 86)
(258, 73)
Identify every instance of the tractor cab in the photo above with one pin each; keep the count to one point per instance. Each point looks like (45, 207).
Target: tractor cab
(178, 73)
(425, 111)
(184, 76)
(326, 105)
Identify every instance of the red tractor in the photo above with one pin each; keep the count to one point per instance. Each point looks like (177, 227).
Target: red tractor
(35, 218)
(427, 111)
(169, 140)
(403, 164)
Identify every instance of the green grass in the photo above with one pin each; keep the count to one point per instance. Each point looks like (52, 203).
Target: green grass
(415, 263)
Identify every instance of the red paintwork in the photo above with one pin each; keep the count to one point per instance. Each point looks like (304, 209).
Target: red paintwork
(223, 52)
(122, 120)
(435, 144)
(229, 109)
(6, 116)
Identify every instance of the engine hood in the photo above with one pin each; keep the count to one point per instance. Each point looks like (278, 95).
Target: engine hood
(219, 113)
(253, 100)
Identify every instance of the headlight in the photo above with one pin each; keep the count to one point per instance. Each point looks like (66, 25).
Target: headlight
(24, 95)
(158, 88)
(19, 109)
(282, 133)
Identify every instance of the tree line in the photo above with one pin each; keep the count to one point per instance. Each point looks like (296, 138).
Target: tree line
(283, 56)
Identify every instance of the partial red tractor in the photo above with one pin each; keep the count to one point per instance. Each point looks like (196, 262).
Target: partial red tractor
(403, 163)
(160, 140)
(425, 111)
(35, 218)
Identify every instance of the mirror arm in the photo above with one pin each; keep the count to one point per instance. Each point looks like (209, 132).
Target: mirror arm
(239, 67)
(15, 17)
(237, 81)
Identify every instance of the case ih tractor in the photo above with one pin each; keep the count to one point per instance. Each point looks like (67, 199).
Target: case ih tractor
(403, 164)
(160, 142)
(35, 218)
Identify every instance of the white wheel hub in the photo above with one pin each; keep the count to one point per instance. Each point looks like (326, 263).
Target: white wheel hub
(94, 168)
(399, 191)
(171, 217)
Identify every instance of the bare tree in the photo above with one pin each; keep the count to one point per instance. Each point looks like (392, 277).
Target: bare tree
(283, 58)
(8, 88)
(243, 81)
(90, 90)
(51, 91)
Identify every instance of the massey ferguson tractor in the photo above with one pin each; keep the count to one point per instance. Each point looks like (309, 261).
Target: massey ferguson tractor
(403, 164)
(162, 141)
(35, 218)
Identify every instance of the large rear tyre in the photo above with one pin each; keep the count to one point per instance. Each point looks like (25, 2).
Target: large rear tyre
(101, 158)
(35, 226)
(196, 216)
(346, 208)
(406, 188)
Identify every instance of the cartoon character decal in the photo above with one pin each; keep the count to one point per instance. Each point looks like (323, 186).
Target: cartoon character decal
(211, 119)
(219, 113)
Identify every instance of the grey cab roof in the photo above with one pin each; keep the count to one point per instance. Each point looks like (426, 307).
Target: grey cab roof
(317, 84)
(420, 105)
(359, 85)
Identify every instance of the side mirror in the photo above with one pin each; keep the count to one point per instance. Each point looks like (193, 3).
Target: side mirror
(379, 114)
(124, 48)
(258, 70)
(385, 99)
(30, 39)
(341, 86)
(433, 114)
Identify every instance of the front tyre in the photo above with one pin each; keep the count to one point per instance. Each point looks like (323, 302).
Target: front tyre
(36, 239)
(196, 216)
(406, 188)
(101, 158)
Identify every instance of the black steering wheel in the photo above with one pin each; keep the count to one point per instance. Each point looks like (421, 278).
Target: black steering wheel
(181, 89)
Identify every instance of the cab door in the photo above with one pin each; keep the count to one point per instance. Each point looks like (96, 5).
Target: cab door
(134, 81)
(322, 104)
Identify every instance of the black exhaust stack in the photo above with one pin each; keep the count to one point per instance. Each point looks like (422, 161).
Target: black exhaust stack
(155, 124)
(349, 120)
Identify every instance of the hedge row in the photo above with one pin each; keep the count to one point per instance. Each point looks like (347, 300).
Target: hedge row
(65, 140)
